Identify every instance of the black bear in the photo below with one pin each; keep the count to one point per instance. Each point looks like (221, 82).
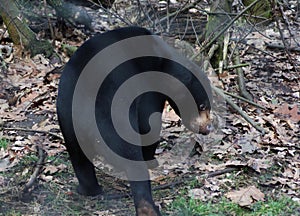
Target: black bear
(87, 108)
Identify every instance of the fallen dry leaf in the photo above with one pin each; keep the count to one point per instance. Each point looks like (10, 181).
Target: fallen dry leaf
(197, 193)
(169, 114)
(258, 164)
(287, 113)
(46, 178)
(246, 196)
(4, 164)
(50, 169)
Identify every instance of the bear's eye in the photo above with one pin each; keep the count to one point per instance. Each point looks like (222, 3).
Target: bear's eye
(202, 107)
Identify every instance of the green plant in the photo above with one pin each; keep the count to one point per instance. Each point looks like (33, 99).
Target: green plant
(185, 206)
(3, 143)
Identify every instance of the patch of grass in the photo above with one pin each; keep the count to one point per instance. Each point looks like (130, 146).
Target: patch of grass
(17, 172)
(195, 183)
(281, 206)
(268, 174)
(57, 160)
(3, 143)
(188, 206)
(237, 179)
(13, 213)
(29, 159)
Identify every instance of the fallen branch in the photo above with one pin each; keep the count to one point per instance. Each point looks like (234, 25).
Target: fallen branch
(37, 169)
(172, 184)
(206, 63)
(243, 99)
(223, 62)
(204, 176)
(239, 110)
(234, 66)
(241, 78)
(282, 47)
(228, 100)
(34, 131)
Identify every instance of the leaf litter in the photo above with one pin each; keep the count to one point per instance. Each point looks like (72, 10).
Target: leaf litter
(264, 162)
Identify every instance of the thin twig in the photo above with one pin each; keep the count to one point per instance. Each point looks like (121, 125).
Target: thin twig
(234, 66)
(224, 29)
(237, 66)
(181, 10)
(244, 42)
(282, 37)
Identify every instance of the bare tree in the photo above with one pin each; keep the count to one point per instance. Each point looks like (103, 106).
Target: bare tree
(19, 32)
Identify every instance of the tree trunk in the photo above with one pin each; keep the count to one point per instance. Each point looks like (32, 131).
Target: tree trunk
(19, 32)
(73, 14)
(215, 24)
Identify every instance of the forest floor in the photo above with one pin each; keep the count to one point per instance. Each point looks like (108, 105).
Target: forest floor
(236, 170)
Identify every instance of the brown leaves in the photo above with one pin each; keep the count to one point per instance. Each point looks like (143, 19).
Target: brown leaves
(286, 113)
(27, 102)
(30, 88)
(246, 196)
